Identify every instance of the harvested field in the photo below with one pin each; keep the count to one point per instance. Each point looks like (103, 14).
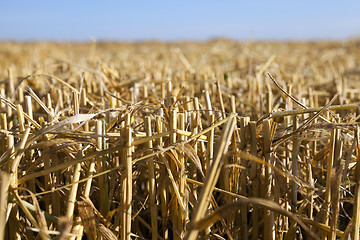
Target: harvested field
(215, 140)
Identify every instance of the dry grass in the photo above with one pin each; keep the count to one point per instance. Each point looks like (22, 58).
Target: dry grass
(180, 140)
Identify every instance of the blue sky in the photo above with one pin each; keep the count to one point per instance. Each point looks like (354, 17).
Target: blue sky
(178, 20)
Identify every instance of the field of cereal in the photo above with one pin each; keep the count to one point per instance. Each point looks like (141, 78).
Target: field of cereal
(182, 140)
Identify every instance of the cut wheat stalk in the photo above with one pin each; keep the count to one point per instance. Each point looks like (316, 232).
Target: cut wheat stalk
(183, 184)
(174, 172)
(356, 210)
(294, 163)
(12, 210)
(269, 227)
(329, 168)
(152, 183)
(163, 190)
(208, 102)
(209, 161)
(11, 106)
(101, 166)
(194, 124)
(72, 195)
(254, 177)
(10, 82)
(77, 226)
(197, 126)
(4, 191)
(244, 130)
(220, 99)
(92, 170)
(126, 162)
(210, 146)
(336, 182)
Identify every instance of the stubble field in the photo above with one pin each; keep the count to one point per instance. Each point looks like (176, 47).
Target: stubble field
(151, 140)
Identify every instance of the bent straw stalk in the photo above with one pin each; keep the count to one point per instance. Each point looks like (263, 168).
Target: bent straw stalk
(211, 178)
